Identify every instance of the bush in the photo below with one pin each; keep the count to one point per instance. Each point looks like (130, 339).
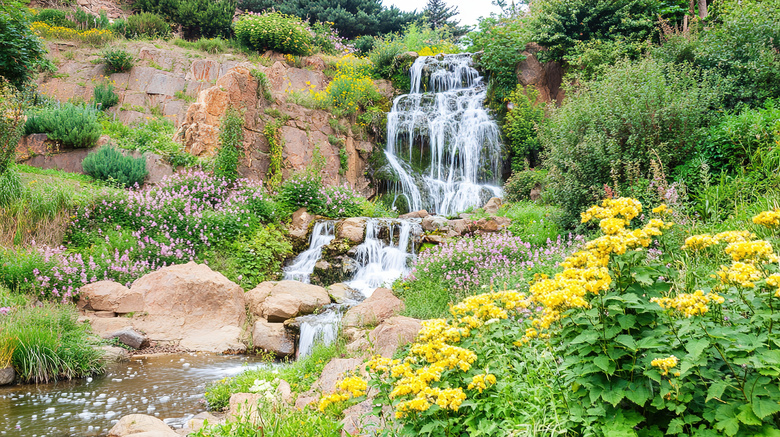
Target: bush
(231, 137)
(274, 31)
(301, 191)
(610, 130)
(339, 202)
(260, 256)
(54, 17)
(146, 24)
(12, 106)
(71, 125)
(520, 126)
(502, 41)
(117, 61)
(352, 88)
(21, 52)
(49, 344)
(363, 45)
(384, 55)
(105, 97)
(206, 18)
(590, 59)
(109, 164)
(519, 186)
(87, 21)
(326, 39)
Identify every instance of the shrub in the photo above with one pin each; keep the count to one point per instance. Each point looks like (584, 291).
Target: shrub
(168, 9)
(384, 55)
(273, 31)
(206, 17)
(518, 187)
(22, 53)
(12, 122)
(260, 256)
(301, 191)
(352, 88)
(231, 137)
(502, 42)
(109, 164)
(327, 40)
(87, 21)
(146, 24)
(54, 17)
(590, 59)
(118, 61)
(609, 131)
(339, 202)
(71, 125)
(520, 125)
(50, 344)
(105, 97)
(363, 44)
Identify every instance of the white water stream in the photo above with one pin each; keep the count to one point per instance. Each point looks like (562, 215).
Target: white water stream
(442, 127)
(303, 265)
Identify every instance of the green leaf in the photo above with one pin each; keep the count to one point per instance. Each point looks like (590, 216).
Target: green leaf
(602, 362)
(638, 393)
(747, 417)
(764, 407)
(588, 336)
(626, 321)
(648, 343)
(715, 391)
(696, 347)
(627, 341)
(613, 396)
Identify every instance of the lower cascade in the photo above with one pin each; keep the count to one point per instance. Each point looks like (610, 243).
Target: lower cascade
(303, 265)
(442, 144)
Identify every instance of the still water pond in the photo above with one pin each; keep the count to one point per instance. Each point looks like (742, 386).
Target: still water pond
(170, 387)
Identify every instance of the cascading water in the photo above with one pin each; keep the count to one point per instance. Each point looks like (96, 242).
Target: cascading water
(380, 262)
(319, 328)
(441, 142)
(303, 265)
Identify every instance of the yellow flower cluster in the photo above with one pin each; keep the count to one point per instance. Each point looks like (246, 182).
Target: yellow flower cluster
(481, 381)
(689, 304)
(757, 250)
(436, 351)
(95, 37)
(586, 271)
(770, 219)
(703, 241)
(347, 388)
(665, 364)
(773, 280)
(662, 209)
(739, 273)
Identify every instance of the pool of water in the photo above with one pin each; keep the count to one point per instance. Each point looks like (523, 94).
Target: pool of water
(170, 387)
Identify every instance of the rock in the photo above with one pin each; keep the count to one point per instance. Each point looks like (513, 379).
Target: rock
(110, 296)
(434, 239)
(115, 354)
(203, 70)
(306, 398)
(196, 423)
(104, 314)
(134, 424)
(434, 223)
(546, 78)
(381, 305)
(340, 292)
(273, 337)
(244, 406)
(285, 392)
(360, 344)
(334, 372)
(340, 269)
(394, 333)
(288, 299)
(33, 145)
(130, 337)
(255, 297)
(460, 226)
(352, 229)
(7, 375)
(414, 214)
(359, 420)
(192, 306)
(300, 224)
(492, 205)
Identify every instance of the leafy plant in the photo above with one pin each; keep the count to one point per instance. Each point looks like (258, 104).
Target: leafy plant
(105, 97)
(260, 256)
(109, 164)
(519, 186)
(12, 106)
(206, 18)
(71, 125)
(273, 31)
(275, 147)
(520, 125)
(231, 137)
(21, 52)
(118, 61)
(301, 190)
(146, 25)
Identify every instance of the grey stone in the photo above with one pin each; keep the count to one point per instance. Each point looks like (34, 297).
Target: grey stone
(7, 375)
(130, 337)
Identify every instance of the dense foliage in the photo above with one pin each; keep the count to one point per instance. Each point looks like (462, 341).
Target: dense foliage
(109, 164)
(146, 24)
(351, 18)
(11, 123)
(104, 96)
(21, 52)
(196, 17)
(118, 61)
(68, 124)
(231, 137)
(274, 31)
(520, 125)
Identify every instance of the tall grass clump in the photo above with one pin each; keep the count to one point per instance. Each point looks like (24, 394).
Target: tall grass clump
(49, 343)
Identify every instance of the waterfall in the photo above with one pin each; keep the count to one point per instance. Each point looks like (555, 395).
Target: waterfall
(441, 142)
(381, 263)
(319, 328)
(303, 265)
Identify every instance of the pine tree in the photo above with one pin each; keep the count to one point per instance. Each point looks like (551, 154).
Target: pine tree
(438, 14)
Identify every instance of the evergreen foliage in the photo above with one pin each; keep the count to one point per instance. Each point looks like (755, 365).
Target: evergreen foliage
(105, 97)
(439, 16)
(146, 24)
(196, 17)
(351, 18)
(70, 125)
(117, 61)
(520, 128)
(109, 164)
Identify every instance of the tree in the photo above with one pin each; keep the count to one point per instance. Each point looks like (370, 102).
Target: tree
(21, 52)
(352, 18)
(438, 13)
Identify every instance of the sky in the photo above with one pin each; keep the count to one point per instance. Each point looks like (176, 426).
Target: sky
(469, 10)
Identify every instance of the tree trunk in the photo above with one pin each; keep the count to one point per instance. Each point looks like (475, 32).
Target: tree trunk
(702, 9)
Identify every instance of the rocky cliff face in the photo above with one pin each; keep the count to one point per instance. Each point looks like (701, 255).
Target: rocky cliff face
(166, 79)
(545, 77)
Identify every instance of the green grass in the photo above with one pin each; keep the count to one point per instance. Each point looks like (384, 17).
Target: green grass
(276, 421)
(535, 223)
(49, 344)
(54, 173)
(300, 374)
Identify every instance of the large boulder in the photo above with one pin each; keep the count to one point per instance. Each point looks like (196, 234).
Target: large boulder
(288, 299)
(110, 296)
(299, 229)
(414, 214)
(492, 205)
(273, 337)
(394, 333)
(434, 223)
(255, 297)
(371, 312)
(192, 306)
(7, 375)
(359, 420)
(335, 371)
(135, 424)
(352, 229)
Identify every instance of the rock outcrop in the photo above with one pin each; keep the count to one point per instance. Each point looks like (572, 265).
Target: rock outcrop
(381, 305)
(141, 425)
(187, 305)
(279, 301)
(546, 78)
(274, 338)
(394, 333)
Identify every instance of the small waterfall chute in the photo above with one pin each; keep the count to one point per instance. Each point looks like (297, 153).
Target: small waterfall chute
(302, 266)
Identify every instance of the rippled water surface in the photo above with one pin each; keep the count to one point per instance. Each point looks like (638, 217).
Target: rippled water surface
(170, 387)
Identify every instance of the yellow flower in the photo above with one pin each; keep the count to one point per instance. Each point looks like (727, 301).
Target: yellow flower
(665, 364)
(770, 219)
(739, 273)
(689, 304)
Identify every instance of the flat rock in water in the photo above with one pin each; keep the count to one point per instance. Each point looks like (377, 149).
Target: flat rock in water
(137, 424)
